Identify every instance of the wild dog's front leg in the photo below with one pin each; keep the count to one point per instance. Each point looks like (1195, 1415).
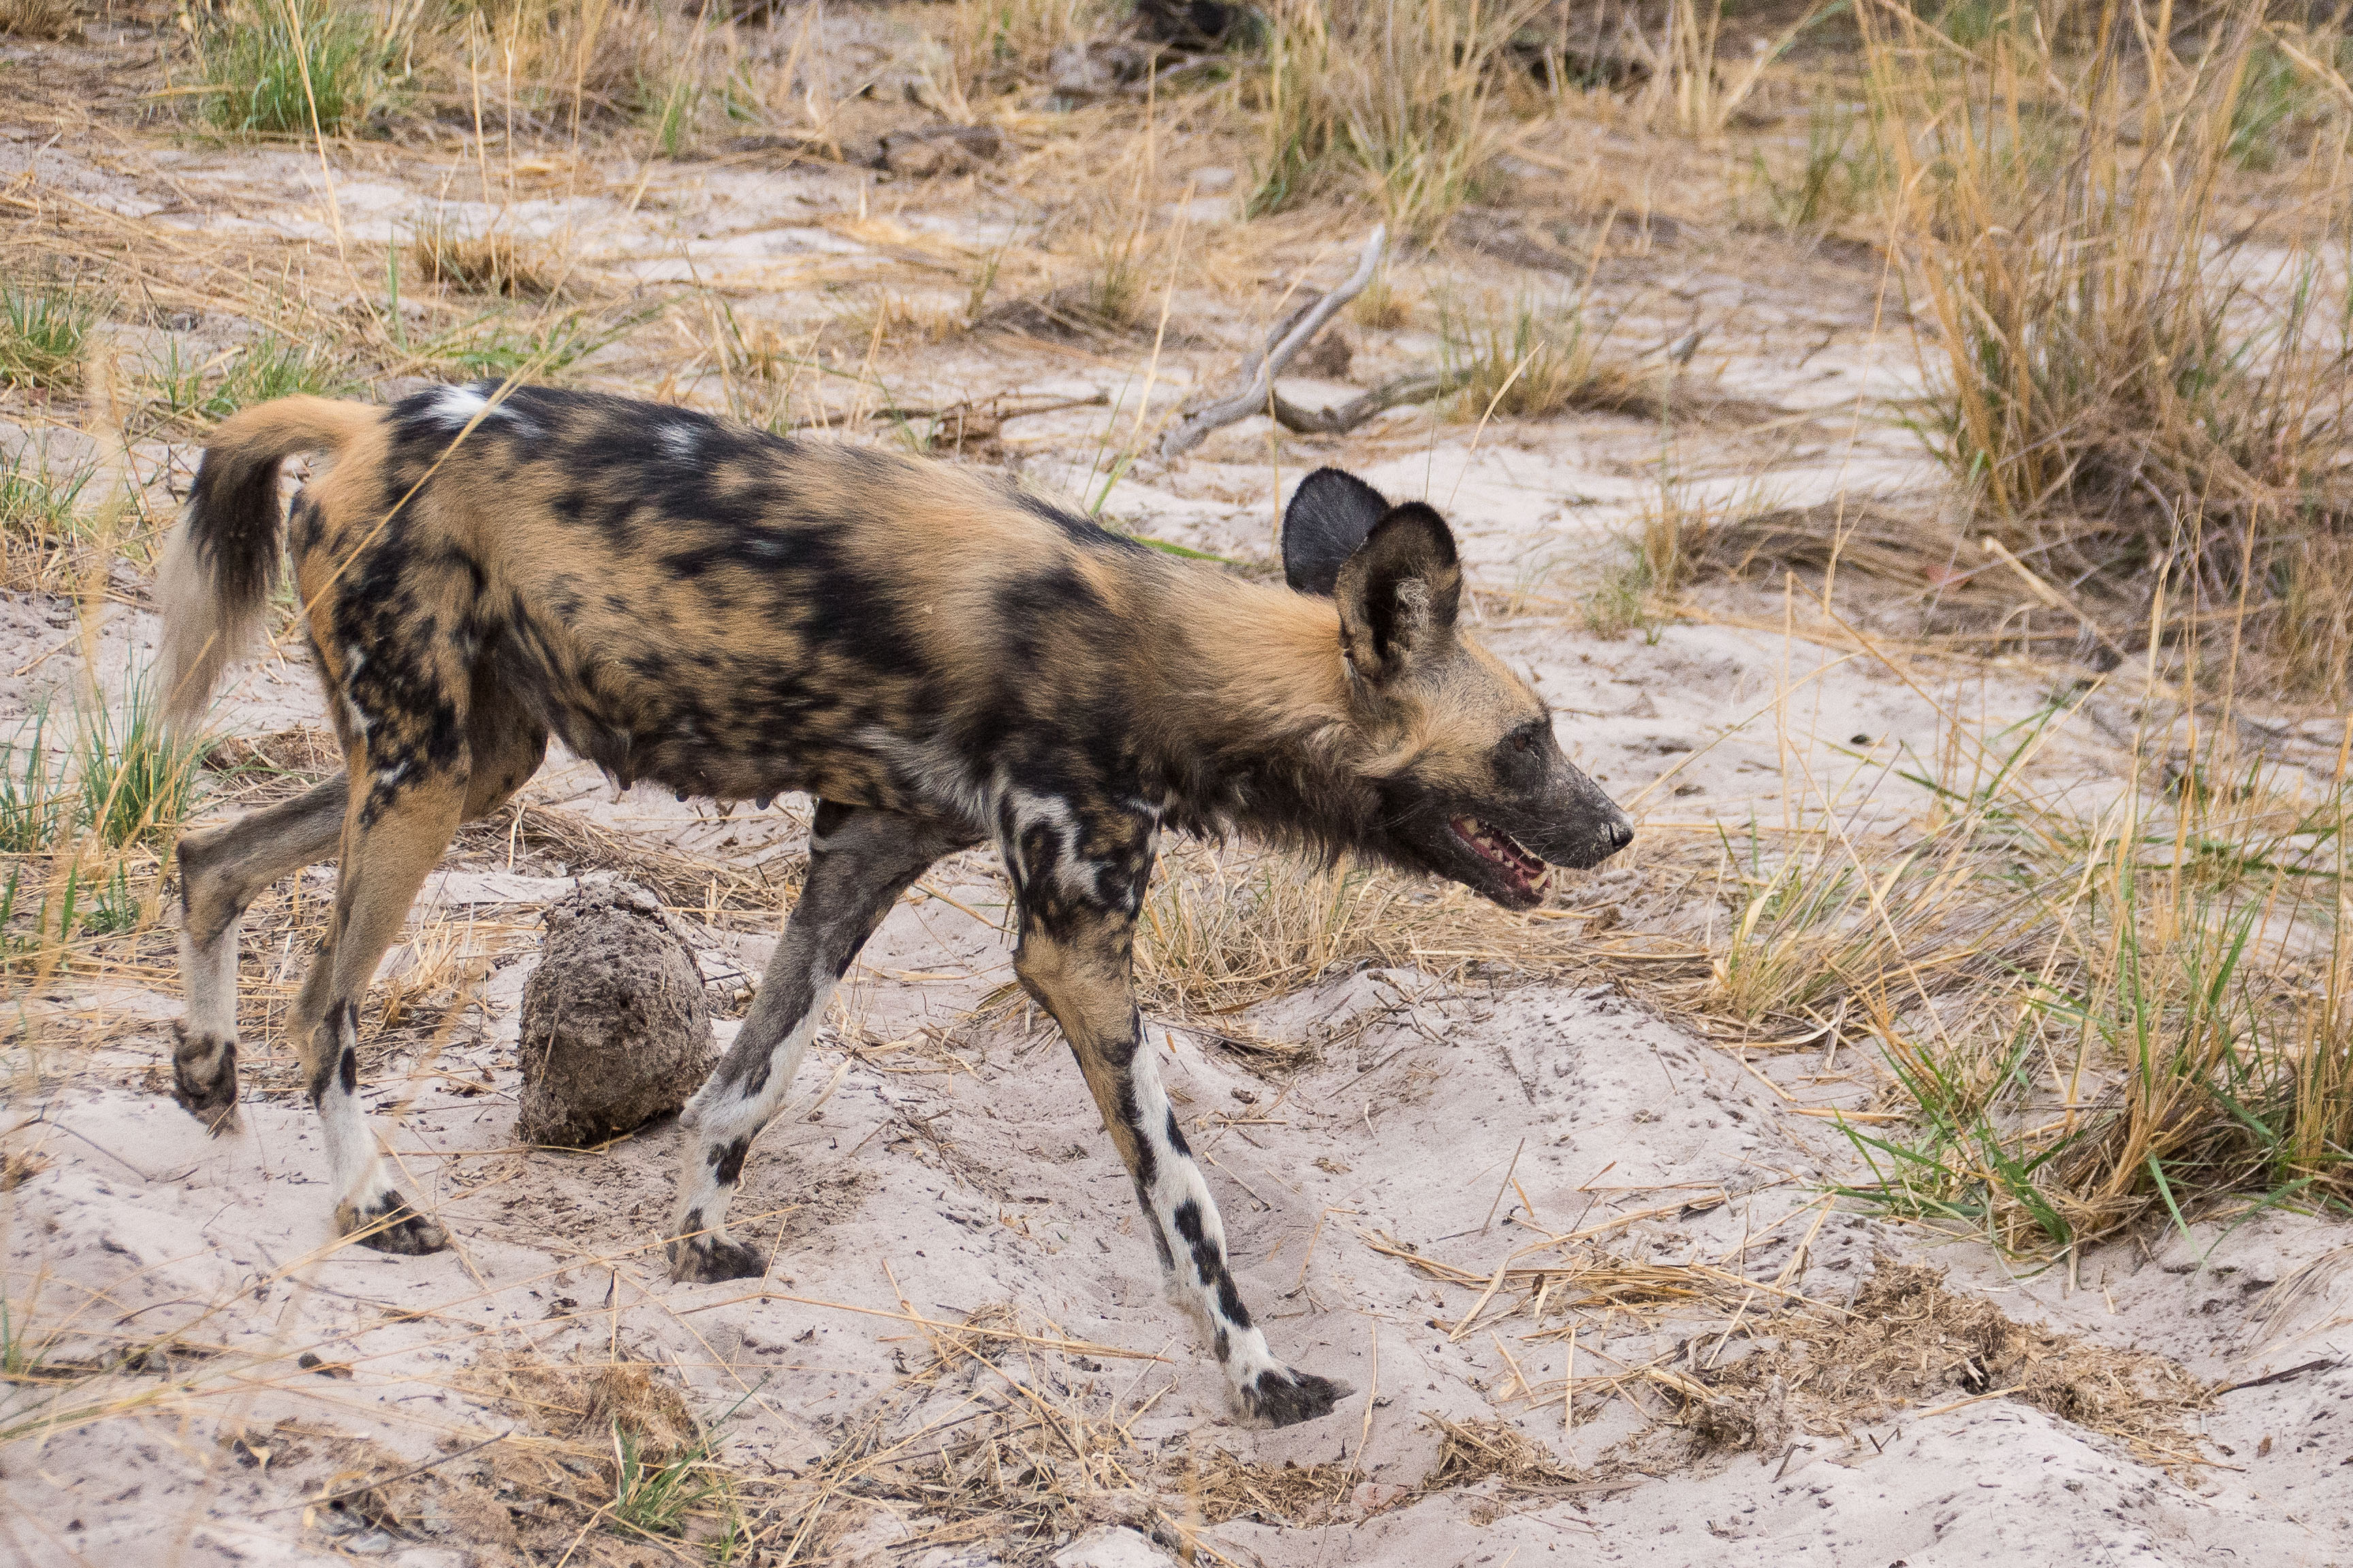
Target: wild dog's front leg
(1074, 958)
(860, 862)
(220, 873)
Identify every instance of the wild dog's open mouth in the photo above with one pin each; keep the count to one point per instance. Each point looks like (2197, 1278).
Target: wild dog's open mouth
(1522, 870)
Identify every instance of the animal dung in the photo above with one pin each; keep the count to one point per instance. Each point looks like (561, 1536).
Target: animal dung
(615, 1028)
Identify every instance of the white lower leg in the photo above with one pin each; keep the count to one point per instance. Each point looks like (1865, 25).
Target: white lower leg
(204, 1054)
(724, 1119)
(1198, 1278)
(354, 1160)
(208, 972)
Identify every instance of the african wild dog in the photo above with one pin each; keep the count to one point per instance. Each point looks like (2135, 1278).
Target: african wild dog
(939, 659)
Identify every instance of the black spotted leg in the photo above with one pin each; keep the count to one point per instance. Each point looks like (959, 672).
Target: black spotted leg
(860, 862)
(222, 873)
(1079, 888)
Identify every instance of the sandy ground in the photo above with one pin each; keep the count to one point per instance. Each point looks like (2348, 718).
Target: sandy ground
(955, 1166)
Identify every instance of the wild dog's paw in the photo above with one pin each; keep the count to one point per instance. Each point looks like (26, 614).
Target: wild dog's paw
(706, 1259)
(1281, 1396)
(703, 1259)
(388, 1224)
(204, 1077)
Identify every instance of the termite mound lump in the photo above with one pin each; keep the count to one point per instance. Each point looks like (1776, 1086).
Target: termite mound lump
(615, 1029)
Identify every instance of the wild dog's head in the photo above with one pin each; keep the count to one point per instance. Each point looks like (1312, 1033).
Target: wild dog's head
(1471, 783)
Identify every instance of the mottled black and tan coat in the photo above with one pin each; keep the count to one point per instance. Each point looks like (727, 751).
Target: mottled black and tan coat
(939, 659)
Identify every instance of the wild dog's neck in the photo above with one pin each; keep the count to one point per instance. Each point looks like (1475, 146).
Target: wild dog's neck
(1257, 726)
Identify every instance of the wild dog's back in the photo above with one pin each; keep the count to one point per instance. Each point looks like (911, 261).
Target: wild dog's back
(726, 612)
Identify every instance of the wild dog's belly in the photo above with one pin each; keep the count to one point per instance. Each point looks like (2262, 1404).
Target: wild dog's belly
(731, 722)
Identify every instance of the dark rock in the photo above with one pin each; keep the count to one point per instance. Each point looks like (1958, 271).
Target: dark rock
(940, 149)
(615, 1028)
(1198, 25)
(1326, 358)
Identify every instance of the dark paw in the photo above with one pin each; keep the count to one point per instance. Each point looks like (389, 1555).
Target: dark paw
(204, 1078)
(1285, 1398)
(389, 1224)
(701, 1259)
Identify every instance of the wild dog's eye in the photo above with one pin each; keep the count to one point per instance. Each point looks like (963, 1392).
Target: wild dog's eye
(1522, 740)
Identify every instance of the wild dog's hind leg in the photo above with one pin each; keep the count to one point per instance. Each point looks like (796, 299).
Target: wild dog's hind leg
(393, 836)
(1078, 923)
(221, 872)
(860, 862)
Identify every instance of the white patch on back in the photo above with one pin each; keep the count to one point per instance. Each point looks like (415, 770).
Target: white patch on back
(455, 407)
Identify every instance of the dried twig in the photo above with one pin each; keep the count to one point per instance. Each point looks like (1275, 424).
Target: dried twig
(1260, 370)
(1342, 418)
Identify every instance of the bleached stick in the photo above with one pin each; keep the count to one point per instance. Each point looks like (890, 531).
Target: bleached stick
(1260, 369)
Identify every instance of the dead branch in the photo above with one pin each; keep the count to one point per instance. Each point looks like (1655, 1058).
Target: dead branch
(1258, 373)
(1341, 419)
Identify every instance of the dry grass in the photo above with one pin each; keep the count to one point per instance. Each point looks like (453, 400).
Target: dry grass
(1222, 1488)
(1903, 1340)
(1694, 88)
(2132, 363)
(1470, 1452)
(495, 262)
(997, 49)
(1224, 929)
(57, 19)
(587, 1402)
(1528, 359)
(1410, 105)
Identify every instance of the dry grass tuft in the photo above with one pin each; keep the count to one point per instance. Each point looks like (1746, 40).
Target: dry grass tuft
(2131, 367)
(1470, 1452)
(1409, 104)
(1223, 1488)
(587, 1402)
(56, 19)
(496, 262)
(1526, 360)
(1903, 1340)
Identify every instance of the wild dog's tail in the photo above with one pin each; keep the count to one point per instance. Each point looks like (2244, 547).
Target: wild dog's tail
(222, 556)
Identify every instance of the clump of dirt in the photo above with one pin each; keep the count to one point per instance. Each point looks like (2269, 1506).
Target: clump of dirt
(615, 1028)
(1903, 1339)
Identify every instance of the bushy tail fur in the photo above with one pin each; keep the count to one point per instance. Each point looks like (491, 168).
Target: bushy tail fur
(222, 556)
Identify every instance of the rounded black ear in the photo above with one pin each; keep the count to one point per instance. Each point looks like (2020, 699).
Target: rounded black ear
(1329, 515)
(1399, 592)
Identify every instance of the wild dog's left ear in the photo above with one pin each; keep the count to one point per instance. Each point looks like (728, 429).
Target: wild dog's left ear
(1330, 514)
(1399, 591)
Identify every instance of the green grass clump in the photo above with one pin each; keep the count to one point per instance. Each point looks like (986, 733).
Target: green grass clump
(203, 391)
(286, 67)
(33, 803)
(1530, 360)
(37, 503)
(44, 333)
(1840, 172)
(136, 779)
(2143, 1015)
